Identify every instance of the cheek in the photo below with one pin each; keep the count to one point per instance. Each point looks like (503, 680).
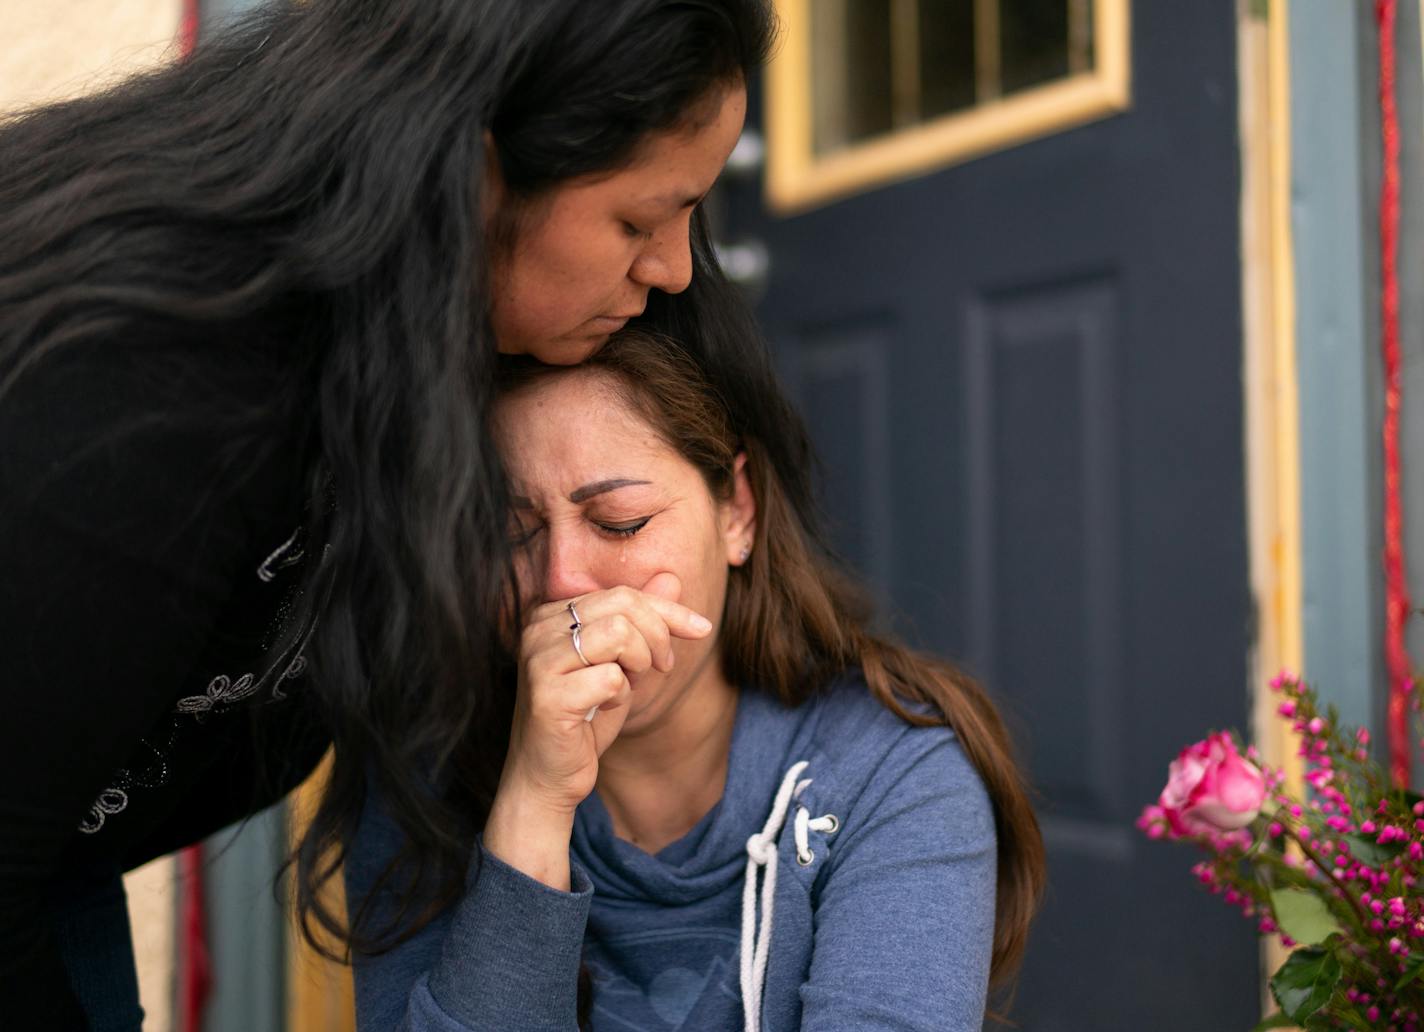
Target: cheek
(699, 563)
(573, 271)
(713, 592)
(526, 305)
(633, 562)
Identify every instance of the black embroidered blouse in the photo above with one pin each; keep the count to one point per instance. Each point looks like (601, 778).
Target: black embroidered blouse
(151, 675)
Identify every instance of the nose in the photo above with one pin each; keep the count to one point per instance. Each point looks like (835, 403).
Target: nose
(568, 569)
(666, 261)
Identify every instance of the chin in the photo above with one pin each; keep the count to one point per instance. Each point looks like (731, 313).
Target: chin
(557, 351)
(570, 351)
(645, 710)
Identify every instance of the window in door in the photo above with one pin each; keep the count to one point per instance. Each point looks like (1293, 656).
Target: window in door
(867, 91)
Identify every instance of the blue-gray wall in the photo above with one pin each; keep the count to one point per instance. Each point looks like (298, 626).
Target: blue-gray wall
(216, 13)
(246, 931)
(1410, 77)
(1334, 225)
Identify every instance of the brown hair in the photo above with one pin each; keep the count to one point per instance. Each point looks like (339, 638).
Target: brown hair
(794, 619)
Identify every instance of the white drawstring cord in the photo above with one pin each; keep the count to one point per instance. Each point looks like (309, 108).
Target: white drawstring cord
(761, 852)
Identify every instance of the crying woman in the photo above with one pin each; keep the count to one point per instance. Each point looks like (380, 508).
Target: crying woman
(726, 802)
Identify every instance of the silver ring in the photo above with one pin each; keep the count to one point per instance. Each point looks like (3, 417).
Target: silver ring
(578, 645)
(574, 629)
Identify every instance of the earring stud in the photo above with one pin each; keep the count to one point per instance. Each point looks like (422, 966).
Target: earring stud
(746, 552)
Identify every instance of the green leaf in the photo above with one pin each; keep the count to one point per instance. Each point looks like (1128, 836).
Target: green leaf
(1303, 916)
(1305, 981)
(1368, 851)
(1277, 1020)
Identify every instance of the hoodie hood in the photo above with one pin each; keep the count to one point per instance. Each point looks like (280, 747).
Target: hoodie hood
(712, 857)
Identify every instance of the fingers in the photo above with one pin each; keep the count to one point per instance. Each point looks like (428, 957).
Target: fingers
(610, 639)
(604, 686)
(614, 639)
(635, 614)
(681, 621)
(617, 639)
(655, 618)
(664, 585)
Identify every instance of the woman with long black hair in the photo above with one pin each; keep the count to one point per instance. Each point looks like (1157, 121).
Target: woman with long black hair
(249, 504)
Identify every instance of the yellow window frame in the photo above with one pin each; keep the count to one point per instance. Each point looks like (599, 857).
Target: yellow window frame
(798, 179)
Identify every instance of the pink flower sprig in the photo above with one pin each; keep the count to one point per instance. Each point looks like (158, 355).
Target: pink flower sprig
(1324, 745)
(1340, 866)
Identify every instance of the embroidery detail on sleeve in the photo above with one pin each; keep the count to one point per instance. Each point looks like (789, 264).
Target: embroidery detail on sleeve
(111, 800)
(222, 691)
(285, 647)
(294, 670)
(115, 798)
(288, 553)
(288, 660)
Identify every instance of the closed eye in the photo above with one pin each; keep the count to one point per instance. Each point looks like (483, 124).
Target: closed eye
(634, 232)
(623, 529)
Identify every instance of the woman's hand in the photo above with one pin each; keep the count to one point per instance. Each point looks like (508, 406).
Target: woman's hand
(552, 762)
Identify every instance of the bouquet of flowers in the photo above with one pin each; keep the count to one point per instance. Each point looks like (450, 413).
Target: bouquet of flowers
(1335, 874)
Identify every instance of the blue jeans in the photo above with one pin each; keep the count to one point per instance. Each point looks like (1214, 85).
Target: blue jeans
(90, 917)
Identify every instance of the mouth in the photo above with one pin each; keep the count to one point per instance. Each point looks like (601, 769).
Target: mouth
(614, 323)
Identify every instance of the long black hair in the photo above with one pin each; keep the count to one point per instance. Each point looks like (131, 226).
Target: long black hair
(320, 170)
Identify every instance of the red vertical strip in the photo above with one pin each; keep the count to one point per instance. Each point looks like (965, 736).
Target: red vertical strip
(1397, 591)
(188, 27)
(195, 975)
(195, 980)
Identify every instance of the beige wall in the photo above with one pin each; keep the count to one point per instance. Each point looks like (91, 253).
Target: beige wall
(152, 903)
(60, 48)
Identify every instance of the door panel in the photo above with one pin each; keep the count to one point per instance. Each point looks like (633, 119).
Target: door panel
(841, 373)
(1024, 377)
(1042, 497)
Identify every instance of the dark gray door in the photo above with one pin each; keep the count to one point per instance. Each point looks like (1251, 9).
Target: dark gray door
(1024, 376)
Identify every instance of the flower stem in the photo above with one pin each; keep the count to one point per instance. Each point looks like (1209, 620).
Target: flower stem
(1329, 872)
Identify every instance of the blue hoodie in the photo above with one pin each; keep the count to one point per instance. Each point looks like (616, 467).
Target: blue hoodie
(882, 866)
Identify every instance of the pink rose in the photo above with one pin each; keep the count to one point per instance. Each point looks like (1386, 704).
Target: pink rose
(1211, 788)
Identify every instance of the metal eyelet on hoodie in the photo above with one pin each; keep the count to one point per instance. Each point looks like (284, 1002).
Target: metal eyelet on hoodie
(827, 824)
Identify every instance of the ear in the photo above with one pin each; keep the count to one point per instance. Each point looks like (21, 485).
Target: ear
(738, 515)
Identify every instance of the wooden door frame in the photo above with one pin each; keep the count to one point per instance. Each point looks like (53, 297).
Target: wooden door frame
(1272, 418)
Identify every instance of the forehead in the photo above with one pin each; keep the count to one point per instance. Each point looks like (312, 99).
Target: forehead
(674, 167)
(577, 418)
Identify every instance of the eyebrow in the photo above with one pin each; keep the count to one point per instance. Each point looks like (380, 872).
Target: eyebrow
(599, 487)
